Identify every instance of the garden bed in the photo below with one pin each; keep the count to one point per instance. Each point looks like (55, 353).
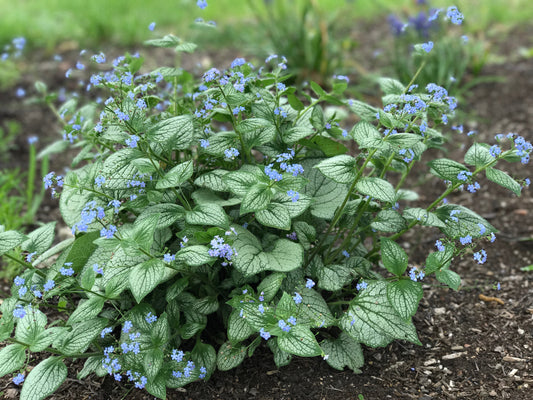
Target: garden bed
(477, 343)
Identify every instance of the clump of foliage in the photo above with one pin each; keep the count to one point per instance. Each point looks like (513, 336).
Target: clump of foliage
(451, 56)
(210, 217)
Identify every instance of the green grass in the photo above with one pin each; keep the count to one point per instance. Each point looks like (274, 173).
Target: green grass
(125, 22)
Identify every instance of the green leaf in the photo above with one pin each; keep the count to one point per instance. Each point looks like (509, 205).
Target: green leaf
(168, 214)
(373, 321)
(207, 214)
(206, 305)
(295, 102)
(12, 357)
(403, 140)
(326, 194)
(365, 111)
(152, 362)
(299, 341)
(40, 239)
(44, 379)
(205, 355)
(174, 133)
(315, 87)
(79, 339)
(256, 131)
(446, 169)
(230, 355)
(463, 222)
(92, 365)
(294, 208)
(158, 386)
(257, 198)
(284, 257)
(145, 277)
(213, 180)
(270, 285)
(120, 170)
(504, 180)
(377, 188)
(367, 136)
(424, 217)
(333, 277)
(87, 309)
(305, 233)
(296, 133)
(239, 182)
(176, 176)
(314, 307)
(328, 146)
(30, 328)
(439, 259)
(404, 296)
(281, 358)
(166, 41)
(9, 240)
(389, 221)
(391, 86)
(393, 256)
(341, 169)
(194, 255)
(448, 277)
(342, 352)
(276, 216)
(478, 155)
(238, 328)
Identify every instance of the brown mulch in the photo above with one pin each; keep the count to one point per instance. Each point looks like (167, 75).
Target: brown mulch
(477, 343)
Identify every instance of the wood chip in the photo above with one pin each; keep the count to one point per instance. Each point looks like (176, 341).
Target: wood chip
(513, 359)
(490, 298)
(453, 355)
(272, 372)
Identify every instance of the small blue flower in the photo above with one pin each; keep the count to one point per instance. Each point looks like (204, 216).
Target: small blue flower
(361, 286)
(202, 4)
(66, 271)
(482, 228)
(168, 258)
(19, 311)
(465, 240)
(22, 291)
(294, 196)
(345, 254)
(49, 285)
(99, 181)
(454, 15)
(238, 62)
(427, 47)
(132, 141)
(463, 175)
(127, 326)
(291, 320)
(498, 286)
(309, 283)
(105, 331)
(151, 27)
(108, 233)
(264, 334)
(177, 355)
(439, 245)
(150, 318)
(19, 281)
(17, 380)
(261, 308)
(297, 298)
(480, 256)
(283, 325)
(231, 153)
(237, 110)
(204, 143)
(281, 87)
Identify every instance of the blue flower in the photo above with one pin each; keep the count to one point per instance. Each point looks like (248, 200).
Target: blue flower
(108, 233)
(309, 283)
(297, 298)
(291, 320)
(261, 309)
(19, 281)
(237, 110)
(17, 380)
(105, 331)
(264, 334)
(439, 245)
(150, 318)
(465, 240)
(19, 311)
(231, 153)
(66, 271)
(201, 3)
(345, 254)
(127, 326)
(151, 26)
(132, 141)
(168, 258)
(238, 62)
(49, 285)
(454, 15)
(294, 196)
(480, 256)
(427, 46)
(281, 87)
(283, 325)
(361, 286)
(22, 291)
(99, 181)
(177, 355)
(463, 175)
(273, 174)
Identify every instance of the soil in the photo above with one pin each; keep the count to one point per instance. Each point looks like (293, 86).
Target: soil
(477, 343)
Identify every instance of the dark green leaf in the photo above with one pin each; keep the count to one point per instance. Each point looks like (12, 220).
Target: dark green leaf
(404, 296)
(44, 379)
(393, 256)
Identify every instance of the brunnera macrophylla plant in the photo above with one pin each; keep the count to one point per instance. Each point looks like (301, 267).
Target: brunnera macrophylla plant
(210, 217)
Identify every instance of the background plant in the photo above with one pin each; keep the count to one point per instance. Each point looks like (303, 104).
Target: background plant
(212, 216)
